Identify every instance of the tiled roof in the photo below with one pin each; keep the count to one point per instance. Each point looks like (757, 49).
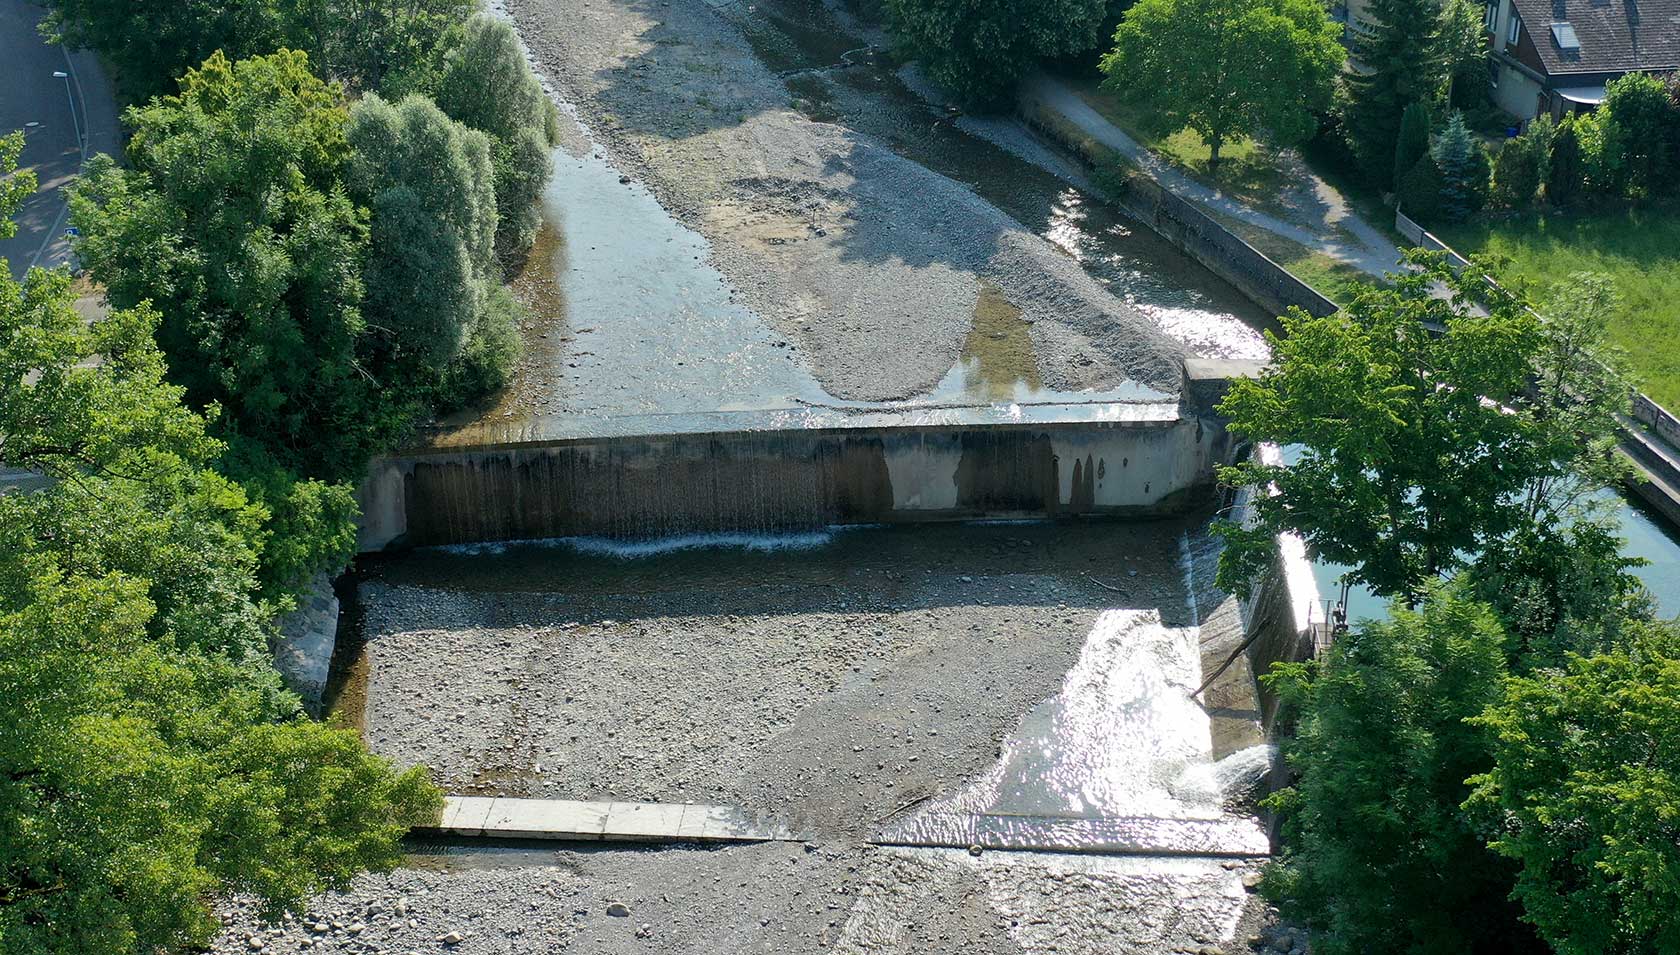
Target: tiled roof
(1615, 36)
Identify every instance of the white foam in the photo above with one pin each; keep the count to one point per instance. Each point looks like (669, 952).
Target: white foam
(653, 547)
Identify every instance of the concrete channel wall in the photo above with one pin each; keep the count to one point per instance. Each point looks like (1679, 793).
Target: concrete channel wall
(655, 485)
(1281, 615)
(1195, 233)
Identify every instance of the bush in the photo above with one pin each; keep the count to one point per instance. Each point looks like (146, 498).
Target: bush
(1565, 175)
(1641, 125)
(1516, 173)
(492, 350)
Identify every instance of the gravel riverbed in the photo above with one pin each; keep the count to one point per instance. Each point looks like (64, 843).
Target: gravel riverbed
(832, 686)
(775, 898)
(871, 263)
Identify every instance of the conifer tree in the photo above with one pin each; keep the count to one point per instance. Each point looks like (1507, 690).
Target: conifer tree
(1464, 171)
(1397, 64)
(1414, 138)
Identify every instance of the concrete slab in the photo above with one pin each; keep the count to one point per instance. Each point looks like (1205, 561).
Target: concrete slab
(643, 821)
(571, 819)
(466, 815)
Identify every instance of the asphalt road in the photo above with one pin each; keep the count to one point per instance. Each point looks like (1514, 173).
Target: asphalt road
(30, 94)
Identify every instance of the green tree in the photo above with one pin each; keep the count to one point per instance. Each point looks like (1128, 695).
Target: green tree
(368, 44)
(1418, 448)
(1378, 856)
(488, 86)
(1413, 144)
(1396, 65)
(1227, 68)
(15, 186)
(149, 758)
(390, 46)
(1420, 191)
(1517, 173)
(1464, 171)
(1463, 52)
(979, 49)
(428, 181)
(235, 225)
(151, 42)
(1565, 176)
(1640, 125)
(1584, 793)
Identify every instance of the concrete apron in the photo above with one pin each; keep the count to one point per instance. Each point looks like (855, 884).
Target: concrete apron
(566, 820)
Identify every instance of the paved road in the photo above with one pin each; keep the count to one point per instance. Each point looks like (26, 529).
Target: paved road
(29, 93)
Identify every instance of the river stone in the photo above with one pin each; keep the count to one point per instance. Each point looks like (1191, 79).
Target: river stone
(618, 910)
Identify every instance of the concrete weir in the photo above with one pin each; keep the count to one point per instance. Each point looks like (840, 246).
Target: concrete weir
(771, 471)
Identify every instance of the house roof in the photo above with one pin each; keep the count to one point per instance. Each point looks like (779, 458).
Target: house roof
(1615, 36)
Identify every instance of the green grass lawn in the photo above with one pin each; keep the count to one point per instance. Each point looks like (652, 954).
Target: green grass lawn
(1639, 250)
(1335, 280)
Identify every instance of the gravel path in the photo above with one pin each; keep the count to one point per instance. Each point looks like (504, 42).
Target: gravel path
(871, 263)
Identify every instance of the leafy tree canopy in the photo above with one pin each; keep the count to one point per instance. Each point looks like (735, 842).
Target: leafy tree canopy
(488, 86)
(1419, 449)
(234, 225)
(428, 182)
(1584, 793)
(149, 757)
(1378, 856)
(391, 45)
(979, 49)
(1228, 68)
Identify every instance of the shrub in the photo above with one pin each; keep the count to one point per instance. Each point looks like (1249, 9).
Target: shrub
(1516, 173)
(1565, 176)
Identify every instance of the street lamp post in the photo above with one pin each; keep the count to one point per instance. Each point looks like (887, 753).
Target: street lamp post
(70, 98)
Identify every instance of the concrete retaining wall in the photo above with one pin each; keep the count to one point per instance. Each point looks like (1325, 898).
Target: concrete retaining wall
(1196, 234)
(1199, 236)
(1279, 612)
(658, 485)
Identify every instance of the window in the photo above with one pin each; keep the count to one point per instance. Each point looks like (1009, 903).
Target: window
(1516, 27)
(1490, 17)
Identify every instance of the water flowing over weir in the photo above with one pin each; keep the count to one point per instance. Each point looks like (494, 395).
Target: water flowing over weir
(671, 566)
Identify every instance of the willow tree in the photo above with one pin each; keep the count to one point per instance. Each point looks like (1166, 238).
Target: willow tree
(1227, 68)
